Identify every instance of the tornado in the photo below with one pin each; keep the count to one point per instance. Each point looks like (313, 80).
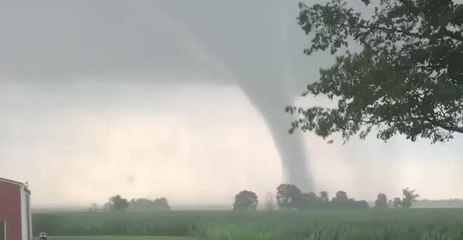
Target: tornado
(290, 147)
(263, 48)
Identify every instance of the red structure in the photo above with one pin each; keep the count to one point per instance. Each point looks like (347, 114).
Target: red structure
(15, 214)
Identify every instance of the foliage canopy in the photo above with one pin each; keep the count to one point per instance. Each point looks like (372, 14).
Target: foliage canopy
(407, 79)
(245, 200)
(409, 197)
(288, 196)
(381, 201)
(117, 203)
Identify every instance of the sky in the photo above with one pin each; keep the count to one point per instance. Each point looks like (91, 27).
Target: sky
(177, 99)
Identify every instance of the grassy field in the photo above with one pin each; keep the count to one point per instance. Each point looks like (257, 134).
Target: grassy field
(261, 225)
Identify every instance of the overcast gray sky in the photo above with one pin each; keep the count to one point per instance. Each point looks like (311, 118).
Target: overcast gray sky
(169, 98)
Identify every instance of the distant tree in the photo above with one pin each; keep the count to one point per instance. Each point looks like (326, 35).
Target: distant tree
(93, 208)
(363, 204)
(245, 200)
(161, 204)
(288, 196)
(407, 79)
(340, 200)
(324, 197)
(143, 204)
(341, 196)
(381, 201)
(308, 201)
(397, 202)
(353, 204)
(117, 203)
(409, 197)
(324, 200)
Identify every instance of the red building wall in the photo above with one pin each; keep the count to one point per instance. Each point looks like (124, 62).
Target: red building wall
(10, 209)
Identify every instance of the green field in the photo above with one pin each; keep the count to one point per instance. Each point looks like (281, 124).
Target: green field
(260, 225)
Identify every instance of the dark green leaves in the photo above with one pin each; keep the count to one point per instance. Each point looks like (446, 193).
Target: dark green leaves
(408, 79)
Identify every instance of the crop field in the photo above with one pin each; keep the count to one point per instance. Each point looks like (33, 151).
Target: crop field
(258, 225)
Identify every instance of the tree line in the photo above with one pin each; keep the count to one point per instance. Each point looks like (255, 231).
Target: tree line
(409, 196)
(290, 197)
(118, 203)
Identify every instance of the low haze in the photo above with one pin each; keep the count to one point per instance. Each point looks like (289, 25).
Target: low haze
(141, 100)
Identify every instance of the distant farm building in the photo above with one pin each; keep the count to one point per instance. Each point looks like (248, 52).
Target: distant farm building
(15, 213)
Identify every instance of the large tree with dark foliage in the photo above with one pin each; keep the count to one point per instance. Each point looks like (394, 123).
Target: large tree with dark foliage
(245, 200)
(409, 197)
(117, 203)
(340, 200)
(381, 201)
(288, 196)
(406, 79)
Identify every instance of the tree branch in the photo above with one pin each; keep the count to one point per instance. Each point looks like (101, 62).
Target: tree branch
(443, 126)
(385, 29)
